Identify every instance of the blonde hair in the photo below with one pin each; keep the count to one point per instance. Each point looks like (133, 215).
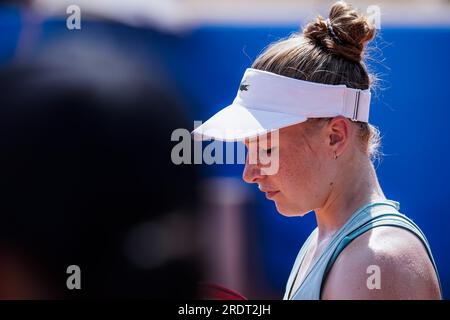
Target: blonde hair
(328, 51)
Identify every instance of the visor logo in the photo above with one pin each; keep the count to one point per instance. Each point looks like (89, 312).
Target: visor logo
(244, 86)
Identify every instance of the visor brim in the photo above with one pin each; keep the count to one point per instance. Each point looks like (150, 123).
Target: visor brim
(237, 123)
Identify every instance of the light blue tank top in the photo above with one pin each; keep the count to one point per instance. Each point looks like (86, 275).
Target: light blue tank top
(371, 215)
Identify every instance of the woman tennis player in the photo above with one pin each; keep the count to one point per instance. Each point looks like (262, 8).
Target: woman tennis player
(312, 90)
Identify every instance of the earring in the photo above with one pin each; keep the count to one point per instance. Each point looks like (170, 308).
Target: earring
(335, 155)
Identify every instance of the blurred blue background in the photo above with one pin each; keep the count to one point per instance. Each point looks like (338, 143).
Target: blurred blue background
(410, 107)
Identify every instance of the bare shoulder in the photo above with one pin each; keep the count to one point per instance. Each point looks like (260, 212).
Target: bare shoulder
(383, 263)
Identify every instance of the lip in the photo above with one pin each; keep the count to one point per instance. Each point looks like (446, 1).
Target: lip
(271, 194)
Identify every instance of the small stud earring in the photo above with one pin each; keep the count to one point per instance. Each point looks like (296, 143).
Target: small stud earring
(335, 155)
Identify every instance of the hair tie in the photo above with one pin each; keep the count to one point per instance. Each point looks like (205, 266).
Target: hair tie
(331, 32)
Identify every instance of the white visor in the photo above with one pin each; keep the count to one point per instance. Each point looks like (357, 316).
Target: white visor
(267, 101)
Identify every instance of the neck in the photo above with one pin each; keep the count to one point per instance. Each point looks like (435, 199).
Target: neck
(347, 196)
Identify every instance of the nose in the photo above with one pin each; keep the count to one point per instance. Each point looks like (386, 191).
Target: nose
(251, 173)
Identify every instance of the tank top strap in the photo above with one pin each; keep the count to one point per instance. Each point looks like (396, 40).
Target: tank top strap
(394, 219)
(371, 215)
(361, 216)
(297, 264)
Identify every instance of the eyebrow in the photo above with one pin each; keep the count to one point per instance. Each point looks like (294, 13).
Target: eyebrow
(267, 143)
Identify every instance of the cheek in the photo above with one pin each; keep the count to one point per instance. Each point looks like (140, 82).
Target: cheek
(301, 174)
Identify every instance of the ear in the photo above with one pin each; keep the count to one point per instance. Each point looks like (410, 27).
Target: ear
(338, 131)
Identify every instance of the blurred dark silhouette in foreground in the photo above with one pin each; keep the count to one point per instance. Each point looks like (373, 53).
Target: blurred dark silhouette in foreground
(86, 177)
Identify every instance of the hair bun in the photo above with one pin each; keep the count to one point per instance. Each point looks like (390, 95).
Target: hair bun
(345, 33)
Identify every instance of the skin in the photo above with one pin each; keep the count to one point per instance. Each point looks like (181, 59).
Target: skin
(309, 178)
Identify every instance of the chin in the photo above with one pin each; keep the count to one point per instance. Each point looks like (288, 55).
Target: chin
(290, 211)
